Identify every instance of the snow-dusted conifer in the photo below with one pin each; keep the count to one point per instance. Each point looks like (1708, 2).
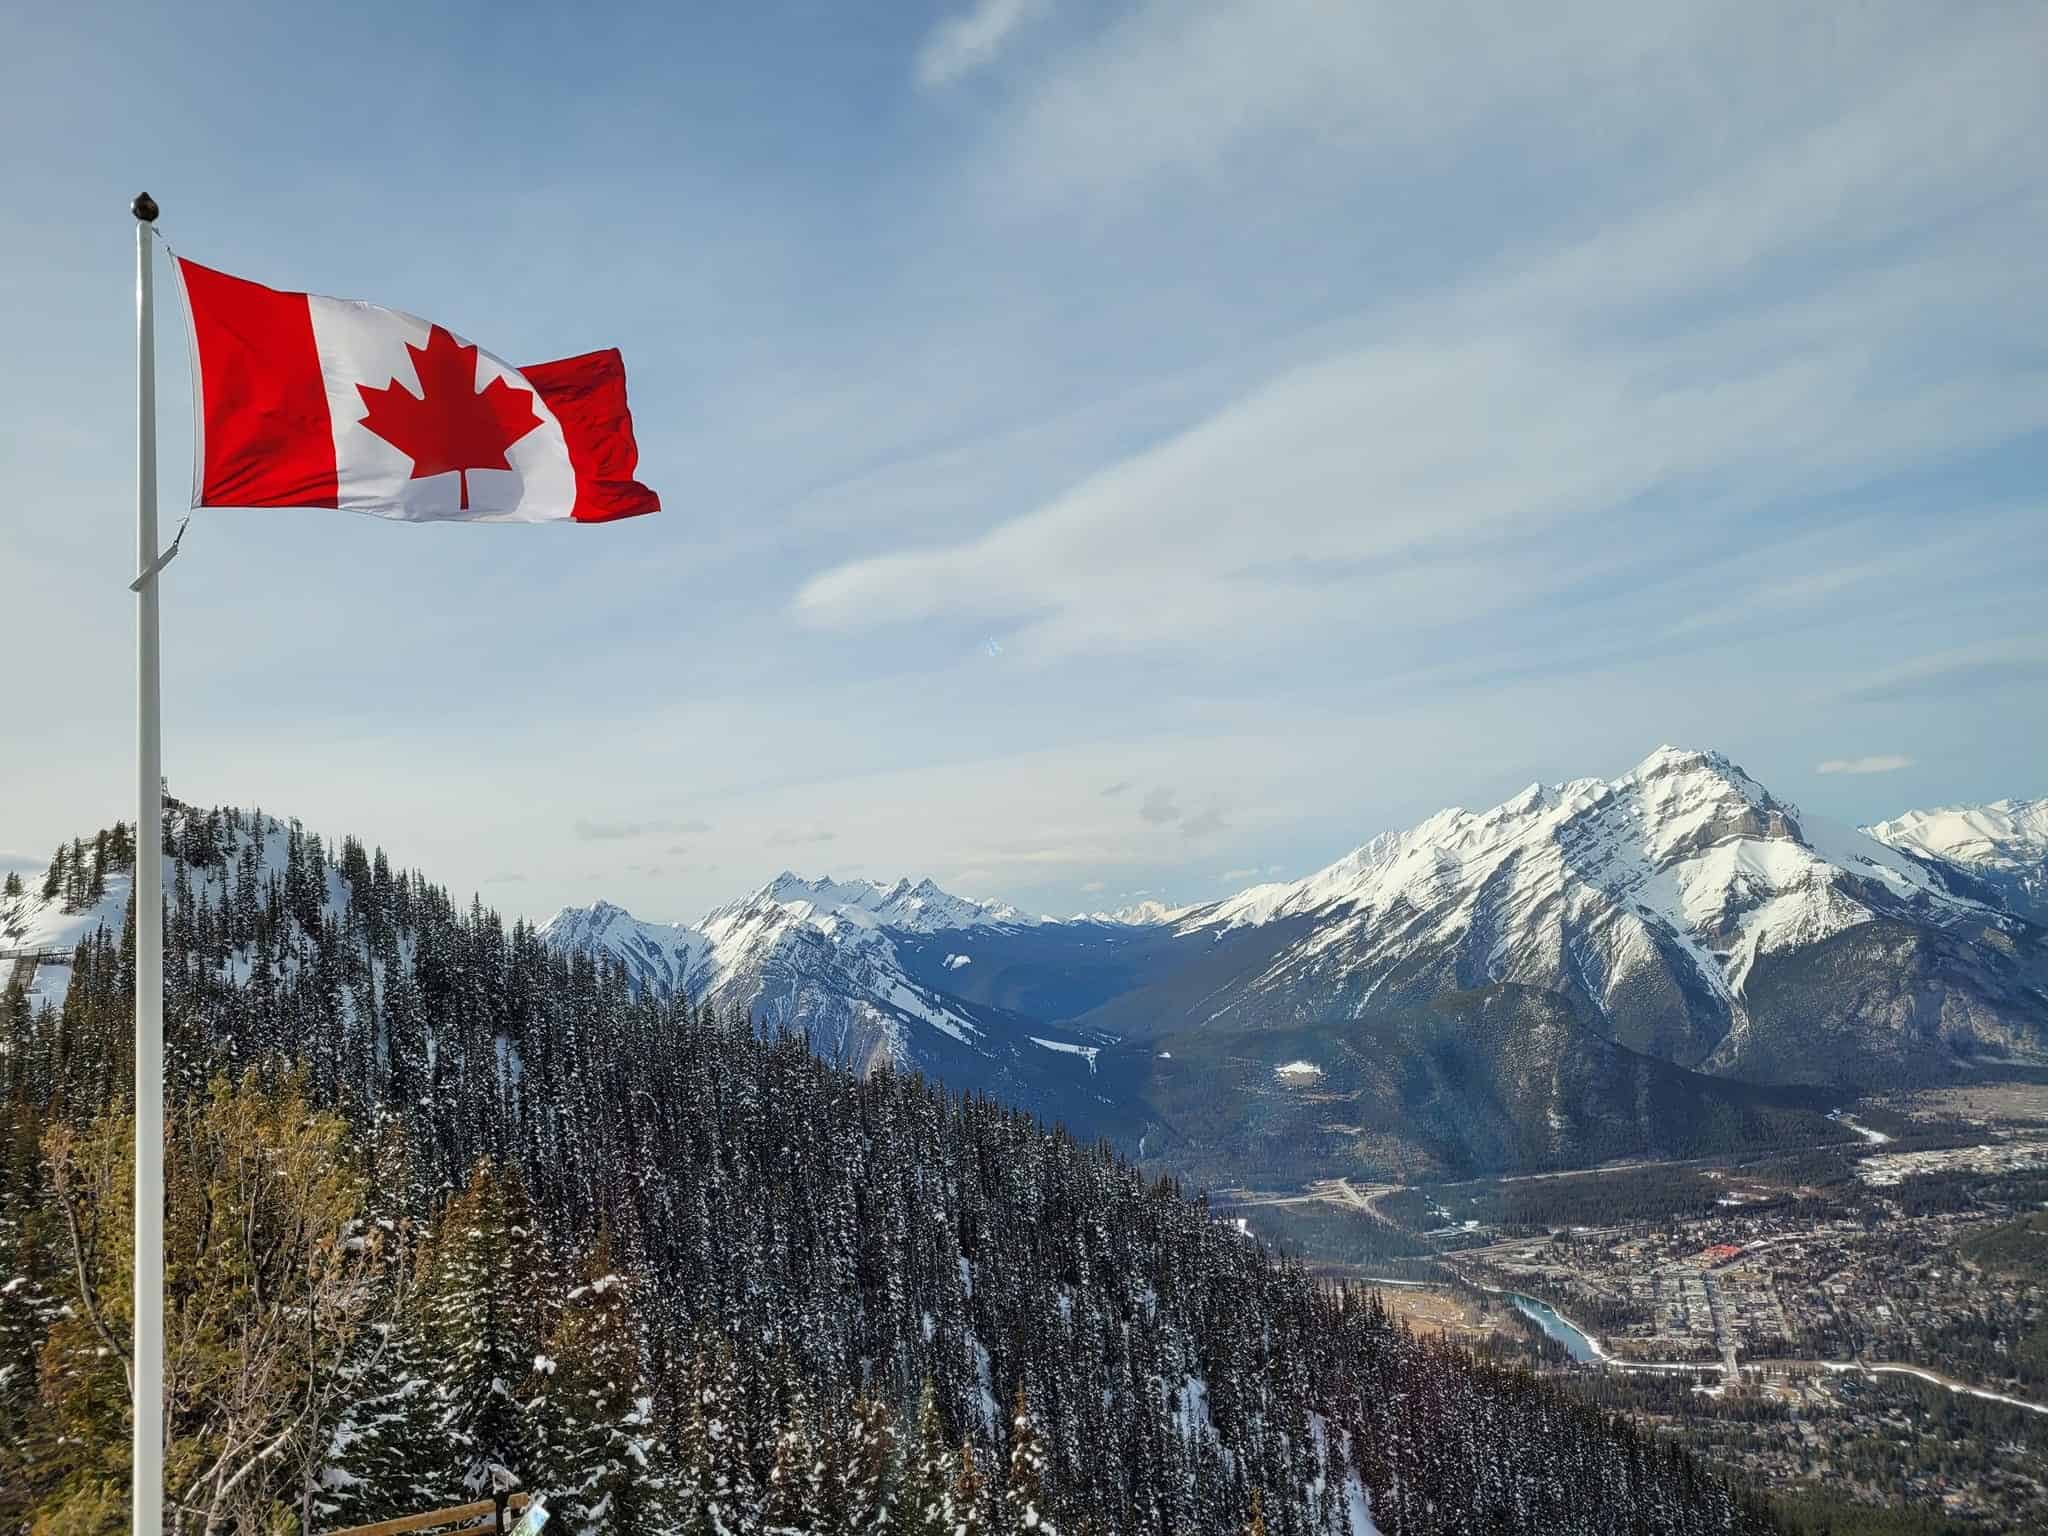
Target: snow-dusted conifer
(970, 1493)
(794, 1502)
(601, 1456)
(928, 1505)
(715, 1492)
(484, 1326)
(868, 1470)
(1024, 1504)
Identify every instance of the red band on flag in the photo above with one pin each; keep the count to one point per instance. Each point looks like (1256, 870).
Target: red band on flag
(268, 441)
(588, 396)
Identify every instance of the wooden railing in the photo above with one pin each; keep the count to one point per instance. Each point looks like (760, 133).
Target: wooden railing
(435, 1519)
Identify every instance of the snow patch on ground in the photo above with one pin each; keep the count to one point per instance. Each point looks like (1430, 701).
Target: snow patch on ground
(1193, 1409)
(1875, 1138)
(944, 1020)
(1298, 1072)
(1090, 1052)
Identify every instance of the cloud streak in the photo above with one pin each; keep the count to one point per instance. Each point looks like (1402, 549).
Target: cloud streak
(622, 831)
(796, 838)
(1158, 807)
(970, 40)
(1887, 763)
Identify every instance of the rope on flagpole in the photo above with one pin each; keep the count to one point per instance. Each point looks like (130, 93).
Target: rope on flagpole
(163, 559)
(178, 538)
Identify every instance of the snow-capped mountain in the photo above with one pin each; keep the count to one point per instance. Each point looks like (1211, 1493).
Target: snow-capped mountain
(2004, 844)
(820, 956)
(919, 908)
(1682, 907)
(1139, 914)
(1561, 977)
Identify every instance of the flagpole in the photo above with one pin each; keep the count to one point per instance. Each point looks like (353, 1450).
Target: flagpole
(147, 1479)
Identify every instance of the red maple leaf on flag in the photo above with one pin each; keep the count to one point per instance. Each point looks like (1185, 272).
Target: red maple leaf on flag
(450, 424)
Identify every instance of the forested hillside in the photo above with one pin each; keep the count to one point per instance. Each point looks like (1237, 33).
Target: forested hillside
(442, 1198)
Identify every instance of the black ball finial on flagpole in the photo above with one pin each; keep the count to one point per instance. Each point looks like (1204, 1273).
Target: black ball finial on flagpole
(144, 208)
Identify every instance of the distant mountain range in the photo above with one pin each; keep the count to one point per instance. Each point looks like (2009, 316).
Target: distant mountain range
(1672, 961)
(1598, 967)
(2004, 844)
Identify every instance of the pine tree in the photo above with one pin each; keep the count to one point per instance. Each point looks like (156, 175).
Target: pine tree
(482, 1324)
(928, 1506)
(970, 1494)
(603, 1456)
(29, 1303)
(714, 1483)
(1024, 1503)
(794, 1501)
(395, 1458)
(77, 878)
(868, 1470)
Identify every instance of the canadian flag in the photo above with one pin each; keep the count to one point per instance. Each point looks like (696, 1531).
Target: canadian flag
(305, 401)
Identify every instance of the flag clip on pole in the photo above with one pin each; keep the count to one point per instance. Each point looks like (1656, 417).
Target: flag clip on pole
(147, 1498)
(161, 560)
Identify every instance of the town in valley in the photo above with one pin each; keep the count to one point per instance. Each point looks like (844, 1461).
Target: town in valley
(1864, 1323)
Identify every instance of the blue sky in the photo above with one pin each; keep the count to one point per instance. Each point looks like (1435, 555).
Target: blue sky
(1107, 449)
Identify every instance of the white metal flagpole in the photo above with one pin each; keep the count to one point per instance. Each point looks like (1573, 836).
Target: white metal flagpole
(148, 1381)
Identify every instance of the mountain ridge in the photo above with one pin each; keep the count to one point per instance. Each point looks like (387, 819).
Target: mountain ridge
(1673, 906)
(1680, 913)
(2002, 842)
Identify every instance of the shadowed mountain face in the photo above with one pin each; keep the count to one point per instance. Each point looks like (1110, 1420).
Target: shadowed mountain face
(1592, 969)
(1499, 1079)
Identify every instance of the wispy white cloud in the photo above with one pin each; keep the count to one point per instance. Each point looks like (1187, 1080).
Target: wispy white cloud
(1472, 454)
(790, 837)
(969, 40)
(1438, 477)
(1995, 664)
(591, 831)
(1886, 763)
(1199, 90)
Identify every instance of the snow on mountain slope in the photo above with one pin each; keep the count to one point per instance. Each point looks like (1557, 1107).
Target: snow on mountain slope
(249, 848)
(2004, 843)
(1651, 900)
(1686, 839)
(1682, 909)
(1140, 914)
(31, 923)
(919, 908)
(659, 957)
(815, 955)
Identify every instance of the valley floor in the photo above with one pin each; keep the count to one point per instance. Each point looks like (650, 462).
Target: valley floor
(1869, 1320)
